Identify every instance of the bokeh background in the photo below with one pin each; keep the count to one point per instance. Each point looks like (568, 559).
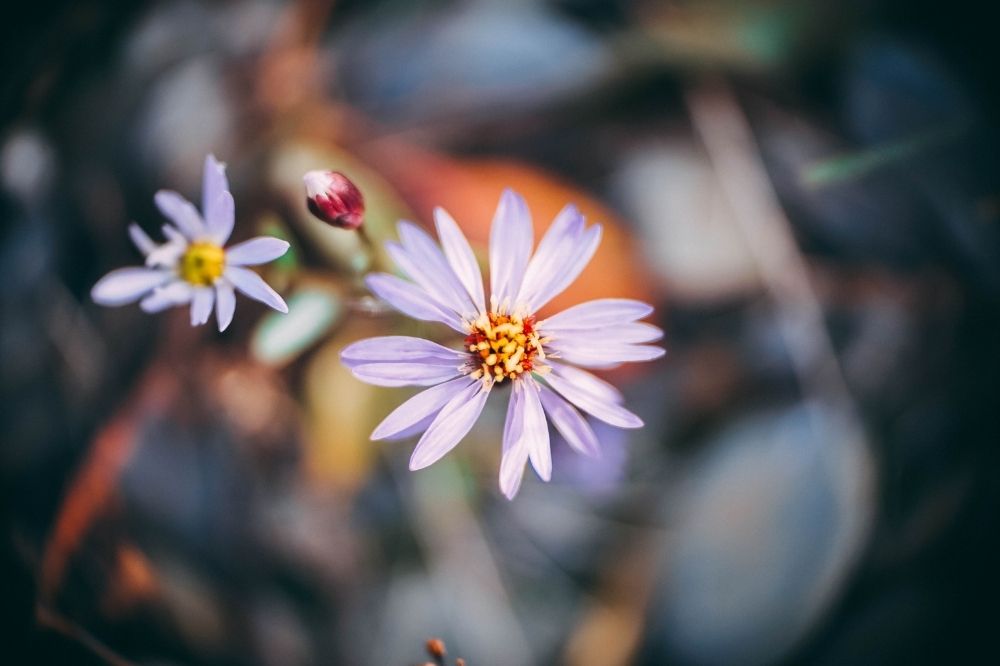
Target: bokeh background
(808, 192)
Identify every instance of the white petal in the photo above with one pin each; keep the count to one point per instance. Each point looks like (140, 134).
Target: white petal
(175, 293)
(127, 285)
(181, 212)
(225, 303)
(552, 253)
(255, 251)
(515, 454)
(587, 382)
(536, 430)
(461, 257)
(577, 260)
(510, 248)
(452, 423)
(570, 424)
(419, 407)
(606, 411)
(220, 217)
(141, 239)
(411, 300)
(397, 348)
(254, 286)
(426, 372)
(597, 314)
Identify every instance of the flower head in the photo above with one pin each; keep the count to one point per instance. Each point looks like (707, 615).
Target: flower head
(333, 198)
(193, 265)
(504, 343)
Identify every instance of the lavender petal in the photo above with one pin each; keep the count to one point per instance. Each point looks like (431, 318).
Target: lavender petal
(172, 294)
(254, 286)
(220, 217)
(396, 349)
(181, 212)
(166, 255)
(553, 252)
(515, 454)
(127, 285)
(536, 430)
(411, 300)
(452, 423)
(585, 381)
(596, 314)
(608, 412)
(201, 305)
(424, 373)
(422, 249)
(570, 424)
(426, 278)
(141, 239)
(511, 238)
(256, 251)
(576, 260)
(418, 408)
(213, 182)
(593, 354)
(225, 303)
(460, 256)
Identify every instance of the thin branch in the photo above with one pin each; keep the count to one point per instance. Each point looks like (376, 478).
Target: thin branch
(728, 140)
(52, 620)
(734, 156)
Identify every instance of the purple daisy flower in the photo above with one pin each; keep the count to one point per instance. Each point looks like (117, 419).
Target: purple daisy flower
(193, 266)
(505, 342)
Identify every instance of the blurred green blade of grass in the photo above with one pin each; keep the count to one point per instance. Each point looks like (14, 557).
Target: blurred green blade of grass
(857, 165)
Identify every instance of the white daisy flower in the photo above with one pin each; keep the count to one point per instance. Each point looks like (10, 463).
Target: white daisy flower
(193, 266)
(504, 343)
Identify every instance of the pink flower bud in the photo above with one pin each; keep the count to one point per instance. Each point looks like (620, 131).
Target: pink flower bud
(333, 198)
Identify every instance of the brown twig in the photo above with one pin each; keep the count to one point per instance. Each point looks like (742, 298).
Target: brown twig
(50, 619)
(731, 149)
(733, 153)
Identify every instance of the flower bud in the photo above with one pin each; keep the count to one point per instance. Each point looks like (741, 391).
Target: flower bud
(333, 198)
(435, 648)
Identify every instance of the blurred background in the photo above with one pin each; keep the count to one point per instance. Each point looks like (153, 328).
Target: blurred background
(807, 190)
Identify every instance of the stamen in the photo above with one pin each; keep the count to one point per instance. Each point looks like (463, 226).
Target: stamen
(503, 346)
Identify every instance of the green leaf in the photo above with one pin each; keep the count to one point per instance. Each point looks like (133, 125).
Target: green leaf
(280, 338)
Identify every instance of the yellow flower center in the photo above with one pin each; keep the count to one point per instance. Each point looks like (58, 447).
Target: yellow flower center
(202, 264)
(504, 345)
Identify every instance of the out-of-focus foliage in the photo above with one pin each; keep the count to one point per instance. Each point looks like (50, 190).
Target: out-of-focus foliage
(817, 478)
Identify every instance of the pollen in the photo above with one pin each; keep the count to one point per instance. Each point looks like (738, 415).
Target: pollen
(503, 346)
(202, 264)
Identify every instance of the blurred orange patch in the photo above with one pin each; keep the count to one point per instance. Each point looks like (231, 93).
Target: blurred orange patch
(470, 190)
